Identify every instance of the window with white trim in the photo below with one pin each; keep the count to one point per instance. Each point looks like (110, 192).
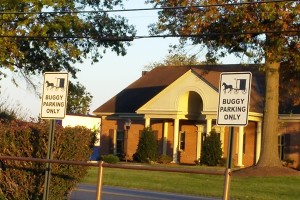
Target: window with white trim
(182, 141)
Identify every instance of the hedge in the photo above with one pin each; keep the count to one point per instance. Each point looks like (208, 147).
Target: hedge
(25, 180)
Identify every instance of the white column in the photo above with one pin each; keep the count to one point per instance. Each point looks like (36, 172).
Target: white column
(175, 142)
(208, 126)
(199, 140)
(147, 122)
(258, 140)
(240, 146)
(165, 138)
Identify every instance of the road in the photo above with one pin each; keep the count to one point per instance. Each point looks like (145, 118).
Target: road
(88, 192)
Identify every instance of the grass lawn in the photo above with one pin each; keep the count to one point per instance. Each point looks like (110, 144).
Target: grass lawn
(264, 188)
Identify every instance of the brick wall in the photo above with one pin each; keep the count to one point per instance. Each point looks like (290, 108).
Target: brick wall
(250, 143)
(188, 155)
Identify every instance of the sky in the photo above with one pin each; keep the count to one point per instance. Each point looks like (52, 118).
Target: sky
(104, 79)
(107, 77)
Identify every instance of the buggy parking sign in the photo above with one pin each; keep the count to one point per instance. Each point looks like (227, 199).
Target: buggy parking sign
(54, 99)
(234, 98)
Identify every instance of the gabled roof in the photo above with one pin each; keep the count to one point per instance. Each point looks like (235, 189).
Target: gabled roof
(149, 85)
(142, 90)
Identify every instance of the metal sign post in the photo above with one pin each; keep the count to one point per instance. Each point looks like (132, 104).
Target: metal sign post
(229, 164)
(234, 99)
(54, 103)
(49, 156)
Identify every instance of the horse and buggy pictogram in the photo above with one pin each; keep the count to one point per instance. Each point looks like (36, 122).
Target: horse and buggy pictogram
(58, 85)
(240, 85)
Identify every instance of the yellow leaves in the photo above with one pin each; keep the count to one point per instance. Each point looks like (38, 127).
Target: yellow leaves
(52, 44)
(9, 51)
(48, 2)
(64, 48)
(74, 52)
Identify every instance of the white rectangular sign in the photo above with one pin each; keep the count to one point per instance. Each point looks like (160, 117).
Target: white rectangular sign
(234, 98)
(54, 98)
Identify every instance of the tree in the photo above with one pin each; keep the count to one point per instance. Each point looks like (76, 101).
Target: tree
(265, 31)
(176, 59)
(147, 147)
(79, 100)
(211, 152)
(40, 36)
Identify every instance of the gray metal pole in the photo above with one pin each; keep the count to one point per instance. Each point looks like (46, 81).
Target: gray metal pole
(229, 164)
(49, 156)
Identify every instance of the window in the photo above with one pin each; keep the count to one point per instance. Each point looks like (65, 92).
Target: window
(120, 143)
(140, 134)
(281, 146)
(182, 141)
(156, 136)
(112, 148)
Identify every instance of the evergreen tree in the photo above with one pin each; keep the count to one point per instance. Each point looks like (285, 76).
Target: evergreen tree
(147, 147)
(211, 150)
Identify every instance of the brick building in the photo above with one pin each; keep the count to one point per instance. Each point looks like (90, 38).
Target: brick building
(180, 105)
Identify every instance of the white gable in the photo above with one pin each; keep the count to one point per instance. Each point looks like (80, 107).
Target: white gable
(174, 99)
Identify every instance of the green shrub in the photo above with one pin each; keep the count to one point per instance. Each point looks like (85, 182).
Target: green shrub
(110, 158)
(211, 152)
(147, 147)
(223, 162)
(165, 159)
(288, 162)
(25, 180)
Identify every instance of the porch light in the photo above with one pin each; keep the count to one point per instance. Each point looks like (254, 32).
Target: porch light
(127, 124)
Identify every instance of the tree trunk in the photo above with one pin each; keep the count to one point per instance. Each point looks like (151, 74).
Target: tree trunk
(269, 151)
